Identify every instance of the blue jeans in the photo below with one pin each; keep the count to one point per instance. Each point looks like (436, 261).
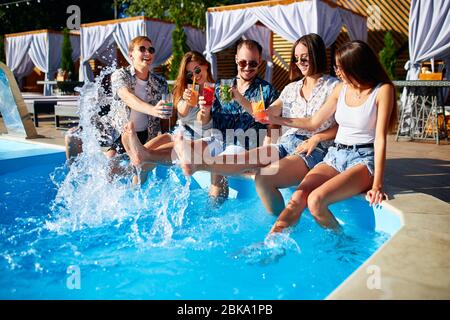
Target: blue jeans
(343, 159)
(289, 143)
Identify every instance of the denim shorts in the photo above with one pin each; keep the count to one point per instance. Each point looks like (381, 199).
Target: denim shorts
(343, 159)
(289, 143)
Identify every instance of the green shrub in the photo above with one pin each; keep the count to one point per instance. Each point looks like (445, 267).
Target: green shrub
(179, 49)
(66, 56)
(388, 55)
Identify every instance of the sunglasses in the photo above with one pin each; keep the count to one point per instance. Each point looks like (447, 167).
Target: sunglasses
(197, 70)
(252, 63)
(150, 50)
(301, 60)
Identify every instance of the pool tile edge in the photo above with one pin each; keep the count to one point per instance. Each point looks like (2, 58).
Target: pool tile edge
(414, 263)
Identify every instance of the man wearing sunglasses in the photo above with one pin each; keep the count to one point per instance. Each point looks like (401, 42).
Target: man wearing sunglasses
(237, 115)
(137, 94)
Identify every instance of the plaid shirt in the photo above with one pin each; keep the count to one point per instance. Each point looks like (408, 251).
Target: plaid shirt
(120, 112)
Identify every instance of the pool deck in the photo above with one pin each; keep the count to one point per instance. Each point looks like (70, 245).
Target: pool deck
(415, 262)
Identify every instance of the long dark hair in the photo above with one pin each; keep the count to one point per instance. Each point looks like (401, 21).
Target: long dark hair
(362, 67)
(181, 82)
(317, 56)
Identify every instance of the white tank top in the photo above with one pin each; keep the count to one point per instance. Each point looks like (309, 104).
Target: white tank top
(356, 124)
(139, 119)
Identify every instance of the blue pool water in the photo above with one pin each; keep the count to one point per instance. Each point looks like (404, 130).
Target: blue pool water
(164, 241)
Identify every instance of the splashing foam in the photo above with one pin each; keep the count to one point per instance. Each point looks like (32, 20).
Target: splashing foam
(97, 191)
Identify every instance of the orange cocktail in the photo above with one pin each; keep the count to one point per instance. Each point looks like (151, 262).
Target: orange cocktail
(259, 112)
(194, 94)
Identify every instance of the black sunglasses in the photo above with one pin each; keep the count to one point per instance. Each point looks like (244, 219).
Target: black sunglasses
(302, 60)
(197, 70)
(150, 50)
(252, 63)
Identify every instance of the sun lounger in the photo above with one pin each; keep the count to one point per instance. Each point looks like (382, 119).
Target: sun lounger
(44, 104)
(65, 109)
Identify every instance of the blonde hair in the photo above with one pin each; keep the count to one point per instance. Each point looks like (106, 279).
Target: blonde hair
(136, 41)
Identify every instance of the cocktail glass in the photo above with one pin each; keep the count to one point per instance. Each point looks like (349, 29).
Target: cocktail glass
(225, 94)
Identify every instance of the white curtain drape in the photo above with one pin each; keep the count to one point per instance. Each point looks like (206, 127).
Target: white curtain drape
(92, 39)
(289, 21)
(223, 28)
(429, 34)
(195, 39)
(42, 50)
(96, 41)
(17, 59)
(161, 35)
(263, 36)
(125, 32)
(356, 25)
(429, 38)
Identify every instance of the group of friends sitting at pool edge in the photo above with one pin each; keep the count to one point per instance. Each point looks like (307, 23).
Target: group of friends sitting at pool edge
(323, 134)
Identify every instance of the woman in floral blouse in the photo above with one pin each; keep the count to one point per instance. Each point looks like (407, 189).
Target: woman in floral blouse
(299, 150)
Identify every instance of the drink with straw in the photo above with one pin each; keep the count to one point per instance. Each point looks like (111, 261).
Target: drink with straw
(168, 104)
(259, 112)
(225, 94)
(258, 109)
(208, 93)
(194, 93)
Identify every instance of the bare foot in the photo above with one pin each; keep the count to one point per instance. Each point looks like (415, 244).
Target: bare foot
(184, 152)
(135, 150)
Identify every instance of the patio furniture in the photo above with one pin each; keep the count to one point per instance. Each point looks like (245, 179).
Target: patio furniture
(39, 48)
(44, 104)
(419, 114)
(65, 109)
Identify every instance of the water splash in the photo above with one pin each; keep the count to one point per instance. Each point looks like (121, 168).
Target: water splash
(274, 247)
(97, 191)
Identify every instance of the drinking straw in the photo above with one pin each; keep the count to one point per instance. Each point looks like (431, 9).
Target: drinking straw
(193, 85)
(260, 88)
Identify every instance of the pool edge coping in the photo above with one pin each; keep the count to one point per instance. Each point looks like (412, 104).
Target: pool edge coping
(400, 268)
(30, 141)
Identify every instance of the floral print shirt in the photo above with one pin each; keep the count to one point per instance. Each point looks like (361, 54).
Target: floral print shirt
(296, 106)
(233, 116)
(120, 112)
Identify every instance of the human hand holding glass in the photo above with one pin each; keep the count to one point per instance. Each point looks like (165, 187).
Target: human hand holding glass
(194, 94)
(225, 92)
(168, 105)
(258, 109)
(208, 94)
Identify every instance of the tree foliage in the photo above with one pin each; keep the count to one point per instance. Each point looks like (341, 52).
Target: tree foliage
(66, 56)
(388, 55)
(183, 12)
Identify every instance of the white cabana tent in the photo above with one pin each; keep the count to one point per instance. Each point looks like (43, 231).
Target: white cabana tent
(40, 48)
(97, 37)
(290, 19)
(429, 34)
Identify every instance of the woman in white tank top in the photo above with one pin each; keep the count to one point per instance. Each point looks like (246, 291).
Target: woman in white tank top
(365, 109)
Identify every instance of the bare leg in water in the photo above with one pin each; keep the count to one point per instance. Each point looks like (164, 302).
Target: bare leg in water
(232, 164)
(285, 173)
(142, 157)
(321, 187)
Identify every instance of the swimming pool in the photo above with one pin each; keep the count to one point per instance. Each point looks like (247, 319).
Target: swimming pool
(164, 241)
